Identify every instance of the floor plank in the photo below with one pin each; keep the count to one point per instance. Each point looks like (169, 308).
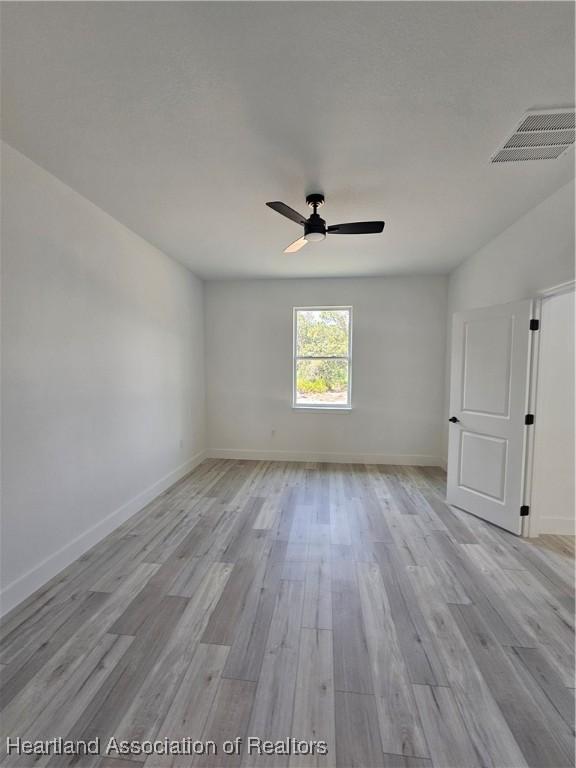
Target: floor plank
(188, 712)
(102, 715)
(314, 709)
(544, 744)
(274, 702)
(358, 743)
(227, 721)
(400, 728)
(352, 670)
(450, 743)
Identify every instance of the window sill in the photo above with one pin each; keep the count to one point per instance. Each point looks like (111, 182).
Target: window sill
(322, 408)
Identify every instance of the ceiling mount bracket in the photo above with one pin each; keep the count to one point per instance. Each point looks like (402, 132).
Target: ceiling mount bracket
(315, 201)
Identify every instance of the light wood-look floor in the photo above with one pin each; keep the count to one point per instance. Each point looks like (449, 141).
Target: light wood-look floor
(331, 602)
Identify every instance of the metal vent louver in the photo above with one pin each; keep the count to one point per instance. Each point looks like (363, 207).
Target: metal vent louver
(540, 135)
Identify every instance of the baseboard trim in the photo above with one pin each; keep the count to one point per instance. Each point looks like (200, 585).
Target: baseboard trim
(417, 460)
(561, 526)
(22, 587)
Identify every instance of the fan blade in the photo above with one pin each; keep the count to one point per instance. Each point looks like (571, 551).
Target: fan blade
(296, 245)
(285, 210)
(357, 228)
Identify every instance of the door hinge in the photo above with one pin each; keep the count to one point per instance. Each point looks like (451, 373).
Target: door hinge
(529, 419)
(524, 510)
(534, 324)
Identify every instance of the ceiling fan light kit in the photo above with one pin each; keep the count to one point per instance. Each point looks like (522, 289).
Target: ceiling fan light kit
(315, 228)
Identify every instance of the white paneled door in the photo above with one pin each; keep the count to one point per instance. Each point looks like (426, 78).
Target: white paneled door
(488, 404)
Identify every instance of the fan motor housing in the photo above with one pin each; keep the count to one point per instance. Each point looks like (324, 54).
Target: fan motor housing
(315, 224)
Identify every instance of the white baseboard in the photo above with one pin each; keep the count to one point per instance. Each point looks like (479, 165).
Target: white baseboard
(19, 589)
(443, 464)
(561, 526)
(416, 460)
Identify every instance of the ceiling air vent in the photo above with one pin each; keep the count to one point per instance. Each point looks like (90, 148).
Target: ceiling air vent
(540, 135)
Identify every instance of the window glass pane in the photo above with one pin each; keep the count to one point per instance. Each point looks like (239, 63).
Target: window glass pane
(322, 332)
(322, 382)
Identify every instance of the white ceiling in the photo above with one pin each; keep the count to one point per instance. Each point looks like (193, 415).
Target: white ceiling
(182, 119)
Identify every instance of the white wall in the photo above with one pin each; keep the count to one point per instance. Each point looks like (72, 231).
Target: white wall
(534, 253)
(102, 374)
(398, 370)
(553, 484)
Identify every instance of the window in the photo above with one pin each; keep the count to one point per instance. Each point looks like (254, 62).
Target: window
(322, 357)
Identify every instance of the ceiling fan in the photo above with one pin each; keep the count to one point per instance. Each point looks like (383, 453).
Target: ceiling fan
(315, 228)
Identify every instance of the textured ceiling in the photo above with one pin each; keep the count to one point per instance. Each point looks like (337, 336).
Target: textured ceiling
(182, 119)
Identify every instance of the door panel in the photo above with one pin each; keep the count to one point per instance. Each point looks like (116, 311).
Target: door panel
(482, 464)
(488, 398)
(486, 385)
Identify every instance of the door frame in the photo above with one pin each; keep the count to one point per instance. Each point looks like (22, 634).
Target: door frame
(531, 524)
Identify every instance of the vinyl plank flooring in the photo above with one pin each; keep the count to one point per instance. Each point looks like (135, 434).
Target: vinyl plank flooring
(450, 743)
(167, 542)
(56, 672)
(190, 576)
(135, 550)
(352, 670)
(189, 710)
(485, 723)
(147, 600)
(314, 709)
(563, 545)
(13, 680)
(274, 701)
(454, 523)
(286, 516)
(317, 612)
(549, 618)
(358, 742)
(142, 717)
(533, 663)
(269, 514)
(487, 600)
(247, 651)
(375, 527)
(417, 646)
(222, 624)
(400, 728)
(242, 535)
(58, 589)
(337, 602)
(543, 619)
(59, 713)
(228, 720)
(198, 541)
(402, 500)
(301, 523)
(558, 581)
(340, 528)
(27, 627)
(294, 570)
(543, 744)
(101, 716)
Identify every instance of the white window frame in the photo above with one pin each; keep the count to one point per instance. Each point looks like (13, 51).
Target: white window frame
(296, 357)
